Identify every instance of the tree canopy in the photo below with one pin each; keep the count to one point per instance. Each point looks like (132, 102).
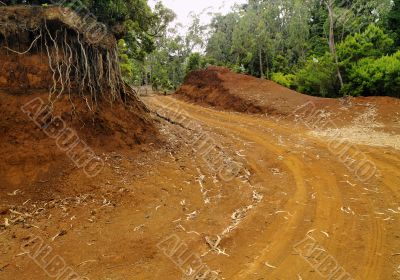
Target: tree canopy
(318, 47)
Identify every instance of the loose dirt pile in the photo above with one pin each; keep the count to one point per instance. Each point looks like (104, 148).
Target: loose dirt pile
(221, 88)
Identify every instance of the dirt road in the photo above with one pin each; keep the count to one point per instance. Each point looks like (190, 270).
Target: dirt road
(253, 197)
(315, 194)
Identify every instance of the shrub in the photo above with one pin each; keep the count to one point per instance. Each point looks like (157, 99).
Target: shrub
(375, 77)
(373, 43)
(238, 69)
(280, 64)
(284, 80)
(194, 62)
(318, 77)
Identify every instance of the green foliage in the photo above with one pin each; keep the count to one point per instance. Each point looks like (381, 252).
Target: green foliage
(154, 56)
(362, 59)
(194, 62)
(110, 12)
(280, 64)
(373, 43)
(238, 69)
(166, 65)
(220, 43)
(362, 67)
(284, 80)
(318, 77)
(393, 22)
(134, 14)
(288, 38)
(278, 37)
(375, 77)
(130, 68)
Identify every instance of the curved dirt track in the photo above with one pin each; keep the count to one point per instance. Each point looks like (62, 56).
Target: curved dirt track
(292, 209)
(355, 223)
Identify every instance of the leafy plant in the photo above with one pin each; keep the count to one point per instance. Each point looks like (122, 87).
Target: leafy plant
(284, 80)
(194, 62)
(373, 43)
(375, 77)
(318, 77)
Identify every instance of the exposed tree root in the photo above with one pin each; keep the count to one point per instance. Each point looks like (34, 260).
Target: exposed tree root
(76, 65)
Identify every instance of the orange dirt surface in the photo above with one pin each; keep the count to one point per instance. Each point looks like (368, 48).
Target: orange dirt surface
(292, 206)
(32, 159)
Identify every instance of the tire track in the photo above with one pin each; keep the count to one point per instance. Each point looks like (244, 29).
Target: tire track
(326, 180)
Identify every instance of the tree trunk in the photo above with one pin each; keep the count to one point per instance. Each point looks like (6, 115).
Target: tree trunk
(261, 63)
(332, 47)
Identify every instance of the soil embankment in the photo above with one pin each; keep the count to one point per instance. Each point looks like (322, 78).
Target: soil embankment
(221, 88)
(58, 112)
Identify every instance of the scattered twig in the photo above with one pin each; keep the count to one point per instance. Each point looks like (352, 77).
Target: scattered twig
(309, 234)
(6, 223)
(214, 245)
(14, 193)
(191, 216)
(85, 262)
(325, 233)
(61, 233)
(22, 254)
(269, 265)
(138, 227)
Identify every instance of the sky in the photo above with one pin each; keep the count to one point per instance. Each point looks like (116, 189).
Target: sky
(182, 8)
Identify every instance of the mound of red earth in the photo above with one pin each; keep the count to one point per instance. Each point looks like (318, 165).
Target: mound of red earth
(38, 145)
(91, 114)
(221, 88)
(64, 149)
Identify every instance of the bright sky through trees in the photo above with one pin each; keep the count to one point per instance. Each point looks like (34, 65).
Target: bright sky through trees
(183, 8)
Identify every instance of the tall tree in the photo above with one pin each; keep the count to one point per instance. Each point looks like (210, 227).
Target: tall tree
(393, 21)
(330, 5)
(219, 45)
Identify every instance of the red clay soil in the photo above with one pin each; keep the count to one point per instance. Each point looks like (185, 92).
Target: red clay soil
(29, 156)
(221, 88)
(21, 73)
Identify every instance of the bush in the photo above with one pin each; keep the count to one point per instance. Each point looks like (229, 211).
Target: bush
(375, 77)
(284, 80)
(207, 61)
(373, 43)
(318, 77)
(194, 62)
(280, 64)
(238, 69)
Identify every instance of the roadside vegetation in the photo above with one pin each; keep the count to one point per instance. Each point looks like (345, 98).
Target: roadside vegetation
(324, 48)
(327, 48)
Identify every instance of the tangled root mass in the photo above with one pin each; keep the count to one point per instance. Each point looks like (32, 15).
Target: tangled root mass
(77, 65)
